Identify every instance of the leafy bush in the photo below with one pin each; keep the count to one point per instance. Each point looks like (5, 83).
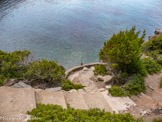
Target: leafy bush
(156, 120)
(45, 71)
(161, 82)
(154, 44)
(123, 50)
(56, 113)
(100, 70)
(151, 65)
(12, 64)
(136, 85)
(159, 61)
(117, 91)
(67, 86)
(16, 65)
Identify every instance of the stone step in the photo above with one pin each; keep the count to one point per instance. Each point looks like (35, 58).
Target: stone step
(75, 99)
(96, 100)
(16, 102)
(117, 104)
(46, 97)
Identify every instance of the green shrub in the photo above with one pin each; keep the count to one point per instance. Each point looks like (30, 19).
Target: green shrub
(154, 44)
(67, 86)
(161, 82)
(12, 64)
(100, 70)
(159, 61)
(124, 50)
(117, 91)
(55, 113)
(45, 71)
(151, 65)
(136, 85)
(156, 120)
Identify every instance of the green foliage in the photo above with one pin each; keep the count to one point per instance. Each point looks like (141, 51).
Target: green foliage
(154, 44)
(15, 65)
(117, 91)
(100, 70)
(12, 64)
(151, 65)
(161, 82)
(135, 86)
(67, 86)
(159, 60)
(141, 69)
(123, 50)
(45, 71)
(55, 113)
(156, 120)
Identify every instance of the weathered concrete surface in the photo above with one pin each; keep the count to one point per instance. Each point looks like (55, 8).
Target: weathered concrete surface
(96, 100)
(46, 97)
(53, 89)
(16, 102)
(76, 100)
(77, 68)
(118, 104)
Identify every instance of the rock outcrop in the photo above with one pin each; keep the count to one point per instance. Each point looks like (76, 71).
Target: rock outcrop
(157, 33)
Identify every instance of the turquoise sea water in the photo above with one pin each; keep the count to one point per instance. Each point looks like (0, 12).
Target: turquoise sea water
(72, 31)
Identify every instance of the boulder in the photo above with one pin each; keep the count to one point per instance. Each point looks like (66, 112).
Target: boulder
(24, 85)
(85, 69)
(10, 82)
(158, 32)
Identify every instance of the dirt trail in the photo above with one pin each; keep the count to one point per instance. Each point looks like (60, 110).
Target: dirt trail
(152, 99)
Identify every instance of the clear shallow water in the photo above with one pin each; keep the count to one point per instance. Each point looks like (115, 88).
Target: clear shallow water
(72, 31)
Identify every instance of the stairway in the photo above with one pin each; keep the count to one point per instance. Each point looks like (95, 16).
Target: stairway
(17, 101)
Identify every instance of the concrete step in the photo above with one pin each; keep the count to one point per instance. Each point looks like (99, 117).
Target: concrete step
(46, 97)
(117, 104)
(96, 100)
(75, 99)
(16, 102)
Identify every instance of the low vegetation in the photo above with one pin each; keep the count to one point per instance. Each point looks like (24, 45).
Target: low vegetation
(100, 70)
(156, 120)
(154, 45)
(151, 66)
(161, 82)
(134, 87)
(117, 91)
(12, 64)
(67, 86)
(55, 113)
(153, 48)
(16, 65)
(44, 71)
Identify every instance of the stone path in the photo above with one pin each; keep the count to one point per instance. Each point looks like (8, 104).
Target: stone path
(17, 101)
(151, 100)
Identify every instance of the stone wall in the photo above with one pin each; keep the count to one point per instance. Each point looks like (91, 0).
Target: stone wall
(77, 68)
